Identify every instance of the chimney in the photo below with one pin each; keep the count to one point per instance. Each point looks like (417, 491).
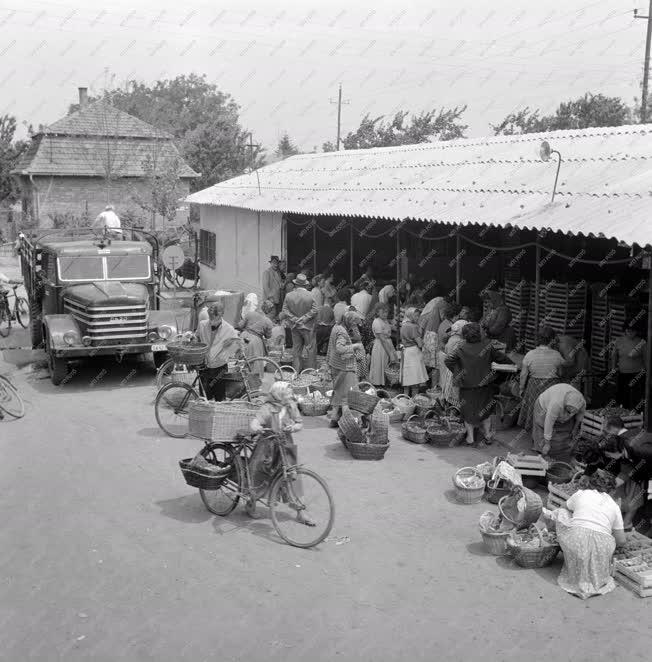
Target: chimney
(83, 96)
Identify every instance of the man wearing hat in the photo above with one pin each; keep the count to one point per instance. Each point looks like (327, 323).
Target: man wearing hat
(300, 310)
(273, 284)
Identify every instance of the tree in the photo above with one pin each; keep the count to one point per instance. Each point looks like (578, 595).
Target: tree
(203, 121)
(286, 147)
(427, 126)
(10, 151)
(591, 110)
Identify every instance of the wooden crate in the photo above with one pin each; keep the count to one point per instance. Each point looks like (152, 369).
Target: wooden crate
(632, 585)
(592, 423)
(555, 502)
(528, 465)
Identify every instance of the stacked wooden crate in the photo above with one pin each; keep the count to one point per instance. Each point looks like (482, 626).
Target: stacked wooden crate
(593, 423)
(617, 316)
(600, 329)
(517, 299)
(633, 567)
(531, 327)
(565, 309)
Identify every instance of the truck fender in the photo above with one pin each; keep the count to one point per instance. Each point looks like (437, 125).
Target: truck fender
(167, 317)
(57, 325)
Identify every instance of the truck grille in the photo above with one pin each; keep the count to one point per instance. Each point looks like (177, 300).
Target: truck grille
(110, 323)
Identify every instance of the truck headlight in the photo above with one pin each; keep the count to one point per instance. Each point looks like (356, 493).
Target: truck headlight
(152, 336)
(71, 338)
(164, 331)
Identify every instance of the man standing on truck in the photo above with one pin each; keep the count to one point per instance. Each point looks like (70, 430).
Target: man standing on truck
(110, 221)
(215, 333)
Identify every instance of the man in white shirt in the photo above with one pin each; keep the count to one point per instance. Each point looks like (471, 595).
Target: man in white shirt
(110, 220)
(362, 300)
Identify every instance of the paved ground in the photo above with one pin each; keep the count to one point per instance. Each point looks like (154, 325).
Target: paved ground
(108, 556)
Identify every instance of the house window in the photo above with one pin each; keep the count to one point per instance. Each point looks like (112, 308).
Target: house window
(207, 245)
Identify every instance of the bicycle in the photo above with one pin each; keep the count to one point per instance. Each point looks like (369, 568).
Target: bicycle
(10, 400)
(20, 311)
(285, 505)
(173, 400)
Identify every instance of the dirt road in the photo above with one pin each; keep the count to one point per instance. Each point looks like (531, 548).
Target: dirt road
(108, 556)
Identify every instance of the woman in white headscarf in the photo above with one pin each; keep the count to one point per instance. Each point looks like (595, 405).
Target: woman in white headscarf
(255, 327)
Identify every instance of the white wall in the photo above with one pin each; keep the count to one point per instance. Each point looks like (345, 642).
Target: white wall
(244, 245)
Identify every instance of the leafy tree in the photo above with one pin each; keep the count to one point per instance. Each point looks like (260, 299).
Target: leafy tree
(286, 147)
(203, 121)
(10, 150)
(427, 126)
(591, 110)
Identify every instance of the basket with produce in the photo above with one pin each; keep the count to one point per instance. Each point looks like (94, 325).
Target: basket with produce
(533, 548)
(469, 485)
(414, 430)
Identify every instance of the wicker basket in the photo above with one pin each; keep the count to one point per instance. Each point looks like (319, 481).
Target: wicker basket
(188, 353)
(395, 415)
(465, 494)
(288, 374)
(179, 377)
(201, 478)
(367, 451)
(532, 557)
(220, 421)
(533, 507)
(379, 427)
(314, 407)
(497, 489)
(393, 374)
(351, 428)
(287, 358)
(405, 404)
(560, 472)
(495, 541)
(422, 404)
(413, 431)
(342, 437)
(362, 402)
(442, 431)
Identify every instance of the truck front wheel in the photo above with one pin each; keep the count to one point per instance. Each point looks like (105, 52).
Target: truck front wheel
(58, 366)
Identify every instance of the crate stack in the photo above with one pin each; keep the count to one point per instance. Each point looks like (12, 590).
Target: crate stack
(617, 316)
(593, 423)
(517, 299)
(565, 309)
(530, 327)
(600, 331)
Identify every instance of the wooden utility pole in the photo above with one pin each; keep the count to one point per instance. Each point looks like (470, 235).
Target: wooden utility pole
(251, 146)
(339, 103)
(646, 66)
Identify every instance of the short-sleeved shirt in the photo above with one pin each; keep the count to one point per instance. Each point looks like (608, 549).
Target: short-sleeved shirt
(542, 362)
(409, 334)
(596, 511)
(630, 353)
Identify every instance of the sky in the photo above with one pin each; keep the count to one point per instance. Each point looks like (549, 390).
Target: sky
(282, 60)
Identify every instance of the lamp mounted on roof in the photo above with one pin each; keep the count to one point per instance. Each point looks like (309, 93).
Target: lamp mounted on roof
(545, 151)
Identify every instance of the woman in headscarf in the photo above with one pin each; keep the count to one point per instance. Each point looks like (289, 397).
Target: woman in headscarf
(496, 323)
(341, 359)
(450, 392)
(413, 372)
(541, 369)
(382, 352)
(470, 364)
(280, 415)
(556, 420)
(255, 327)
(430, 321)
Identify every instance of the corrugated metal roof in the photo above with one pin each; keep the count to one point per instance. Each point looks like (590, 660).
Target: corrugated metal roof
(92, 157)
(604, 188)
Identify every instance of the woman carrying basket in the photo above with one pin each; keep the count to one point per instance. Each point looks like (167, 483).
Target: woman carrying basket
(280, 414)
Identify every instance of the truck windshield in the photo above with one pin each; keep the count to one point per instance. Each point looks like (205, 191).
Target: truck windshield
(127, 267)
(81, 268)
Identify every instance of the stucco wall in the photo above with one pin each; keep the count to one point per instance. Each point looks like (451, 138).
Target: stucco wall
(243, 247)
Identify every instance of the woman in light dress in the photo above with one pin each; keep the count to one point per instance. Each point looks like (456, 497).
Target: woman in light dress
(382, 352)
(413, 370)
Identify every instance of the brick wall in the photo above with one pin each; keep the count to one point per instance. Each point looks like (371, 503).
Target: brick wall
(76, 195)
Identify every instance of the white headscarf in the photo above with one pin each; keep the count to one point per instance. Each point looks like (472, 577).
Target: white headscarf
(456, 329)
(250, 304)
(385, 294)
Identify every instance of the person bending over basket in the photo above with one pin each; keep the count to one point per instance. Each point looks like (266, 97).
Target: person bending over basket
(589, 529)
(280, 414)
(216, 333)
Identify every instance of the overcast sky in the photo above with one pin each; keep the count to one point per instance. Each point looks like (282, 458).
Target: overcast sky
(282, 60)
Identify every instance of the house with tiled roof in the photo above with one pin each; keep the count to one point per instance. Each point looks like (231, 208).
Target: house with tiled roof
(94, 157)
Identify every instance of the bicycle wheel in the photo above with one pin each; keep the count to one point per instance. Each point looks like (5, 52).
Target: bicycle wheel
(181, 279)
(5, 320)
(223, 500)
(22, 312)
(10, 400)
(313, 502)
(171, 408)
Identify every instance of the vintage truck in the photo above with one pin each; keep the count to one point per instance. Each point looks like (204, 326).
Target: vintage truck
(93, 296)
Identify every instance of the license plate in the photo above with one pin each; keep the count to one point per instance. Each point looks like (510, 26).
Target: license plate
(159, 348)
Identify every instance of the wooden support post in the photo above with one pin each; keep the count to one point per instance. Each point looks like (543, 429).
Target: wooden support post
(398, 281)
(351, 251)
(648, 376)
(314, 247)
(458, 265)
(537, 285)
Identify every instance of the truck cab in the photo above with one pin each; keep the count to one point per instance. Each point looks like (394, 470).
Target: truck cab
(94, 297)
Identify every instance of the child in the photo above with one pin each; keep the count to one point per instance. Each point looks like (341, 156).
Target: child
(413, 370)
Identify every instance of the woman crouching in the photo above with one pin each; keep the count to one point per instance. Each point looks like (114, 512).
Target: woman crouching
(280, 414)
(589, 529)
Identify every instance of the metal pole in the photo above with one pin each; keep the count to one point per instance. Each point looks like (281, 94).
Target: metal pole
(646, 66)
(648, 376)
(458, 266)
(314, 247)
(339, 109)
(351, 251)
(537, 285)
(398, 282)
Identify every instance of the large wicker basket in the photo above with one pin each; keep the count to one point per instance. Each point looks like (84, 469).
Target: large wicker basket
(362, 402)
(465, 494)
(495, 541)
(188, 353)
(531, 557)
(423, 404)
(521, 519)
(414, 430)
(379, 427)
(560, 472)
(442, 431)
(220, 421)
(203, 478)
(350, 427)
(393, 374)
(367, 451)
(314, 404)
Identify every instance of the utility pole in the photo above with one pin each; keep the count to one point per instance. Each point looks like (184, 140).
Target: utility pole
(251, 146)
(646, 66)
(339, 103)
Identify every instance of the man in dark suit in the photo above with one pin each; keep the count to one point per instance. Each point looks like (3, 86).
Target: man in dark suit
(300, 309)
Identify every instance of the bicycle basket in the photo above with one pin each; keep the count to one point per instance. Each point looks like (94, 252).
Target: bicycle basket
(220, 421)
(190, 353)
